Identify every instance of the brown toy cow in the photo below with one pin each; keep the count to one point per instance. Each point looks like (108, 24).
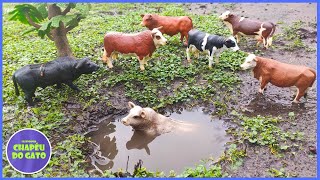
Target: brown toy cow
(280, 74)
(141, 44)
(262, 31)
(171, 25)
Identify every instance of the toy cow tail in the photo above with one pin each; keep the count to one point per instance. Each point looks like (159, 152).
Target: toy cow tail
(191, 22)
(15, 84)
(269, 38)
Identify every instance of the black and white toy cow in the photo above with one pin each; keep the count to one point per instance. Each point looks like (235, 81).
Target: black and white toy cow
(210, 44)
(62, 70)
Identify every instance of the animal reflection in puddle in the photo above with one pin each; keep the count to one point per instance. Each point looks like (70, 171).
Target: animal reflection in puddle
(114, 142)
(140, 140)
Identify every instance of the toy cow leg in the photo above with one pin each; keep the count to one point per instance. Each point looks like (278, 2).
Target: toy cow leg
(238, 38)
(184, 35)
(264, 82)
(236, 35)
(106, 58)
(210, 54)
(259, 39)
(300, 93)
(306, 92)
(141, 61)
(146, 59)
(188, 54)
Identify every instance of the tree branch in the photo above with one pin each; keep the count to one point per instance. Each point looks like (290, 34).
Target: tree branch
(69, 28)
(31, 22)
(67, 9)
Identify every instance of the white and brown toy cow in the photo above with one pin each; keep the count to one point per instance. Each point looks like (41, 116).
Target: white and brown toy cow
(280, 74)
(262, 31)
(212, 45)
(141, 44)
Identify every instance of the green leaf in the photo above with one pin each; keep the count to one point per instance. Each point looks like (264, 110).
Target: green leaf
(18, 14)
(42, 8)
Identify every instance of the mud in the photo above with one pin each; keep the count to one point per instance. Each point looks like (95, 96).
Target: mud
(118, 147)
(95, 121)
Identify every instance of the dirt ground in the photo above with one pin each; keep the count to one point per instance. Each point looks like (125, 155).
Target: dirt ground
(276, 101)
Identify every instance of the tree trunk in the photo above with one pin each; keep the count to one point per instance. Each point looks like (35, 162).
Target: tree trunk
(59, 34)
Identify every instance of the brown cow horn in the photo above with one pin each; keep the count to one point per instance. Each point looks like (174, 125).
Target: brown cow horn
(160, 27)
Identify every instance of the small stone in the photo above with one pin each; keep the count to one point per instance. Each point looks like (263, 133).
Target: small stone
(313, 149)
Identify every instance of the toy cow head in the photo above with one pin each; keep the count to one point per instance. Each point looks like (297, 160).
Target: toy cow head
(147, 20)
(249, 63)
(226, 16)
(157, 37)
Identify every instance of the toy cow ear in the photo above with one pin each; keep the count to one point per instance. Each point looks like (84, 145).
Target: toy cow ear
(80, 63)
(231, 15)
(150, 16)
(131, 105)
(143, 114)
(142, 15)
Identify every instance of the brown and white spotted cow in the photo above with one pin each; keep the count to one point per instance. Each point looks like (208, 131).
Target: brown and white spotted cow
(280, 74)
(262, 31)
(141, 44)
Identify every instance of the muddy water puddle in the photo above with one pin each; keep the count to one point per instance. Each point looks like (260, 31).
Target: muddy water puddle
(172, 151)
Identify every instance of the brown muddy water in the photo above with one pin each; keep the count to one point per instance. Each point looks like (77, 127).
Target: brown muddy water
(172, 151)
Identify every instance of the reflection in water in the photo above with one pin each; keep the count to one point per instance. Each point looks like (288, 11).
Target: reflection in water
(170, 151)
(106, 148)
(140, 140)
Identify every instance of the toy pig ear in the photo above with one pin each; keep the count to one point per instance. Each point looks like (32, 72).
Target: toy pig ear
(231, 15)
(131, 105)
(150, 16)
(80, 63)
(142, 15)
(143, 114)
